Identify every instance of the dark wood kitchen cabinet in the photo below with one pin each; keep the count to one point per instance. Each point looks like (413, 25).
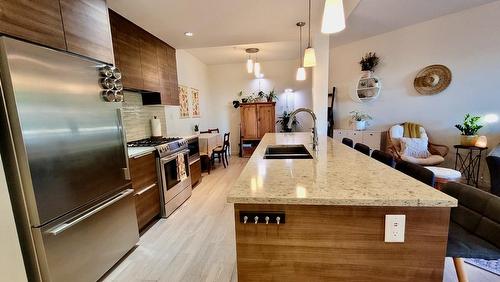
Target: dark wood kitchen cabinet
(147, 192)
(86, 28)
(78, 26)
(36, 21)
(168, 74)
(147, 63)
(127, 50)
(195, 172)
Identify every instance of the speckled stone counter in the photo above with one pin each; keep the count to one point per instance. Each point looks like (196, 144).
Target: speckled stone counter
(337, 175)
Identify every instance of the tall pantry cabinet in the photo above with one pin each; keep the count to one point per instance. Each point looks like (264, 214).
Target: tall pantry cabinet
(257, 119)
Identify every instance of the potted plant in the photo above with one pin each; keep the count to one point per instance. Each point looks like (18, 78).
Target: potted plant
(469, 130)
(271, 96)
(360, 119)
(196, 129)
(261, 95)
(283, 122)
(368, 64)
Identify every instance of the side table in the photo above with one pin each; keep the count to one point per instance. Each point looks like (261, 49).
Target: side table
(469, 162)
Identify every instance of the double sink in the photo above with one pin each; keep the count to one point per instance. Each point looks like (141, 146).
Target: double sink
(287, 152)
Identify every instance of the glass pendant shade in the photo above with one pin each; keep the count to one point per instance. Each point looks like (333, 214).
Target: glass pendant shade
(249, 65)
(301, 74)
(309, 57)
(256, 69)
(333, 17)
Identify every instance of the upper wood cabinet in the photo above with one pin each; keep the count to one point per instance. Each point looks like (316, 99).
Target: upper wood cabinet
(79, 26)
(149, 62)
(168, 74)
(127, 50)
(146, 62)
(37, 21)
(257, 119)
(86, 27)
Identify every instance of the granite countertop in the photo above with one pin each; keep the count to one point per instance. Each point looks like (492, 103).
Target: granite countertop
(337, 175)
(138, 151)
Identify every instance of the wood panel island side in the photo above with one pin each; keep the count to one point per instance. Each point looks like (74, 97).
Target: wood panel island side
(332, 212)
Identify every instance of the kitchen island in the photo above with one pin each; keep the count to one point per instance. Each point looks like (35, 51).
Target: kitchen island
(331, 211)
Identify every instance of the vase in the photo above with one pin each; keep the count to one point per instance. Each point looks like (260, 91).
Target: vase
(366, 74)
(360, 125)
(468, 140)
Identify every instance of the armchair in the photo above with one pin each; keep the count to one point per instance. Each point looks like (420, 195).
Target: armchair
(437, 151)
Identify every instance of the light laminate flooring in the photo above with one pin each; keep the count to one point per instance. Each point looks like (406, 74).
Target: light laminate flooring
(197, 242)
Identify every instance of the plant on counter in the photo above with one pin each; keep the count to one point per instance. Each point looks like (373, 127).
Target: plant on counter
(283, 122)
(196, 128)
(359, 119)
(469, 130)
(369, 62)
(271, 96)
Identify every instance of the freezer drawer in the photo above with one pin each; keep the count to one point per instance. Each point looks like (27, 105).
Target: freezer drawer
(85, 247)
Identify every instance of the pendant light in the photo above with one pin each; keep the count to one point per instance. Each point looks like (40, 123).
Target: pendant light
(309, 54)
(301, 71)
(251, 66)
(333, 17)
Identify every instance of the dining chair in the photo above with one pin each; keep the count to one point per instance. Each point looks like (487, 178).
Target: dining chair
(360, 147)
(474, 226)
(347, 141)
(383, 157)
(416, 171)
(221, 151)
(213, 130)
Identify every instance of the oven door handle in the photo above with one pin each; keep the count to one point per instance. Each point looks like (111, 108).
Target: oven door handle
(167, 159)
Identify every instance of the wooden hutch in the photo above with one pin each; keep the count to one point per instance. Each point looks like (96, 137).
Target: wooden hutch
(257, 119)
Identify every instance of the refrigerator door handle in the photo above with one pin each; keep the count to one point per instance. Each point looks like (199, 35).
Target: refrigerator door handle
(66, 225)
(126, 170)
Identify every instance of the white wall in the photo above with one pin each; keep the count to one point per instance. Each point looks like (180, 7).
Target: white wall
(320, 81)
(467, 42)
(227, 80)
(193, 73)
(11, 261)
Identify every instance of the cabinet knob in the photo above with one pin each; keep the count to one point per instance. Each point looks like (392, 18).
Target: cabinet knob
(256, 218)
(278, 220)
(267, 219)
(245, 218)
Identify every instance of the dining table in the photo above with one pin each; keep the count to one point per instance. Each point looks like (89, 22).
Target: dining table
(208, 142)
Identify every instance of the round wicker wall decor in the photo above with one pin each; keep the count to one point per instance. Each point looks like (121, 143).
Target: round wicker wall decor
(432, 79)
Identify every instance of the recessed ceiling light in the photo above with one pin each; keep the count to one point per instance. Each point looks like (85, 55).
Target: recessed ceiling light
(189, 34)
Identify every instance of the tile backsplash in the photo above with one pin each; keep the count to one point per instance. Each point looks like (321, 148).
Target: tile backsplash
(136, 117)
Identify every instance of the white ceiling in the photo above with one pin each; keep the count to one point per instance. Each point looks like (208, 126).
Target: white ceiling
(218, 22)
(372, 17)
(272, 51)
(224, 28)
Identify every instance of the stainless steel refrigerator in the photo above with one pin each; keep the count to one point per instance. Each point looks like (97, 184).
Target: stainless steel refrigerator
(66, 165)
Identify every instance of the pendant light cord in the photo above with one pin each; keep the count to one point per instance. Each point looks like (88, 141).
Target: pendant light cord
(309, 43)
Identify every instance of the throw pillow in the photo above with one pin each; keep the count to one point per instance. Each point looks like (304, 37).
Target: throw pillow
(414, 147)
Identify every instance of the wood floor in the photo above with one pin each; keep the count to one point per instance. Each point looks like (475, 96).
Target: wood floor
(197, 242)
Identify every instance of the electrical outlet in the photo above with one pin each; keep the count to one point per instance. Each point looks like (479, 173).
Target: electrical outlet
(395, 228)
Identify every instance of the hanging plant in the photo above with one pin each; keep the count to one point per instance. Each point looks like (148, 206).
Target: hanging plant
(369, 61)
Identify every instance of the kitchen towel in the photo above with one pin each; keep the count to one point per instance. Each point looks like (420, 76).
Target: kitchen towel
(155, 127)
(181, 167)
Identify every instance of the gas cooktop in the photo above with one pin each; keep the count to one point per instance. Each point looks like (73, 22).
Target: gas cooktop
(152, 142)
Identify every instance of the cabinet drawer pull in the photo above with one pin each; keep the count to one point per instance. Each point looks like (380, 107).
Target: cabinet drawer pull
(145, 189)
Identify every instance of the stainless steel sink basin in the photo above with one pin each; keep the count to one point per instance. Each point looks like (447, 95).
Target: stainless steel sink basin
(287, 152)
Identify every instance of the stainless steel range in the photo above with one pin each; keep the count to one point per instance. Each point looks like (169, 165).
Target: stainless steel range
(172, 154)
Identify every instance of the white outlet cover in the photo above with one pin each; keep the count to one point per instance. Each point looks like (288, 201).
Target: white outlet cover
(395, 228)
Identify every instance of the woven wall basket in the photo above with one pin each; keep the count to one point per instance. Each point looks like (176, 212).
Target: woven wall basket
(432, 79)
